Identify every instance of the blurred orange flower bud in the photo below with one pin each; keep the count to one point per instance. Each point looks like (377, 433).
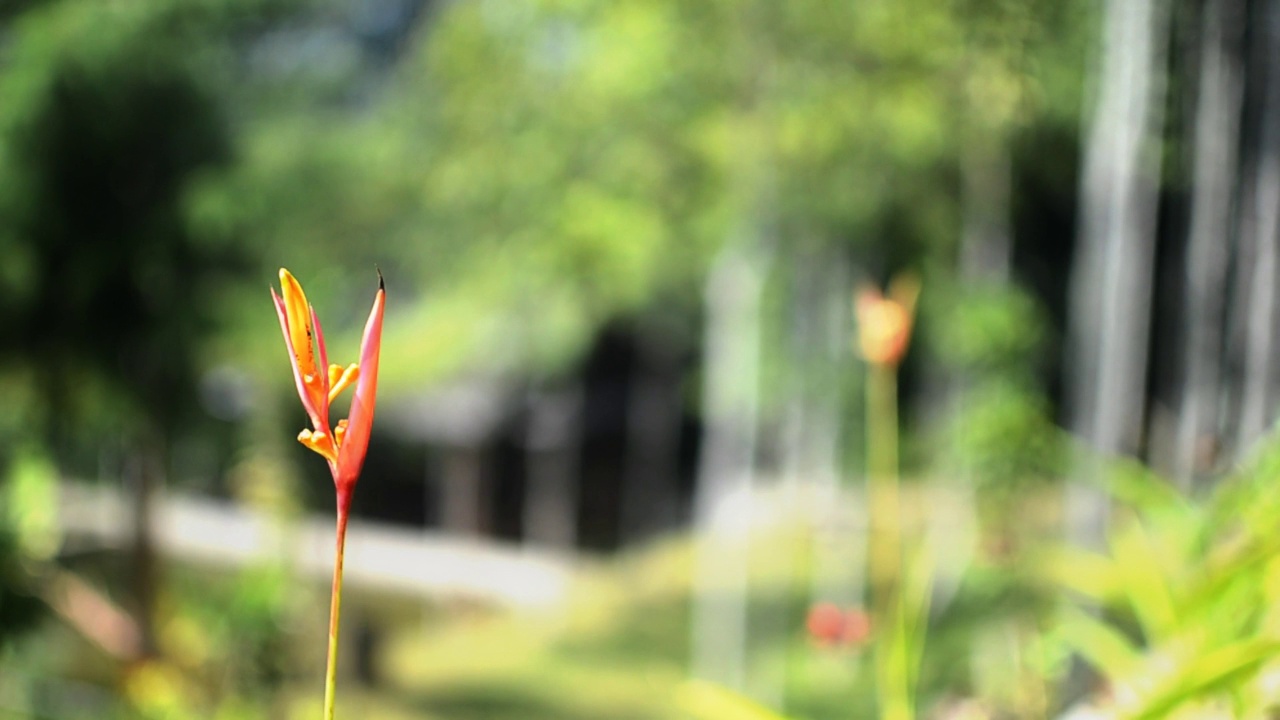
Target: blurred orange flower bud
(884, 323)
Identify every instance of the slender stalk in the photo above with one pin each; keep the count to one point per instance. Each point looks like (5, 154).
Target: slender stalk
(335, 611)
(882, 459)
(892, 652)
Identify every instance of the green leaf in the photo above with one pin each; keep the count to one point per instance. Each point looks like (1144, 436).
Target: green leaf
(1100, 644)
(1206, 673)
(1138, 561)
(31, 503)
(1091, 574)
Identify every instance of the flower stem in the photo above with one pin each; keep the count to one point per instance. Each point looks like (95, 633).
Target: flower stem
(335, 611)
(892, 657)
(885, 561)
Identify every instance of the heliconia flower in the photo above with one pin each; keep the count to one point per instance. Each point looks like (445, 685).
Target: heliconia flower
(884, 323)
(344, 445)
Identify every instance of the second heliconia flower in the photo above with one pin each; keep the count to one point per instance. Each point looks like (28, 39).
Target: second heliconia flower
(884, 323)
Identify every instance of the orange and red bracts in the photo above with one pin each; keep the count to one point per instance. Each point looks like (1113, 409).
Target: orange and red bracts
(344, 445)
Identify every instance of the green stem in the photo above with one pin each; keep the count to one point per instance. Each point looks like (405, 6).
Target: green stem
(335, 611)
(886, 561)
(882, 483)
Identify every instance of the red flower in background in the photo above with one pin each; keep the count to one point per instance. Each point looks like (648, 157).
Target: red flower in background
(829, 625)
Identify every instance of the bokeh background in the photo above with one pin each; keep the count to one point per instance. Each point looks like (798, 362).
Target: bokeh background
(622, 431)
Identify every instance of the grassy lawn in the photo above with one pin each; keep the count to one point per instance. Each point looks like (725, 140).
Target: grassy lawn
(250, 644)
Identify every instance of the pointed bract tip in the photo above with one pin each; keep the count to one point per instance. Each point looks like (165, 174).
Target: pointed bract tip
(381, 285)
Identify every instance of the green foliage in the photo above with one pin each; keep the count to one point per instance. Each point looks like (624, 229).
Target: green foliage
(247, 627)
(20, 609)
(1002, 431)
(105, 124)
(28, 536)
(988, 330)
(525, 175)
(1006, 437)
(28, 505)
(1188, 595)
(529, 174)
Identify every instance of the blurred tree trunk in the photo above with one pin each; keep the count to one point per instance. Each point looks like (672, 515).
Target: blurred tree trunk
(1260, 233)
(799, 371)
(1217, 126)
(726, 470)
(986, 247)
(554, 443)
(732, 334)
(818, 345)
(1111, 279)
(144, 476)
